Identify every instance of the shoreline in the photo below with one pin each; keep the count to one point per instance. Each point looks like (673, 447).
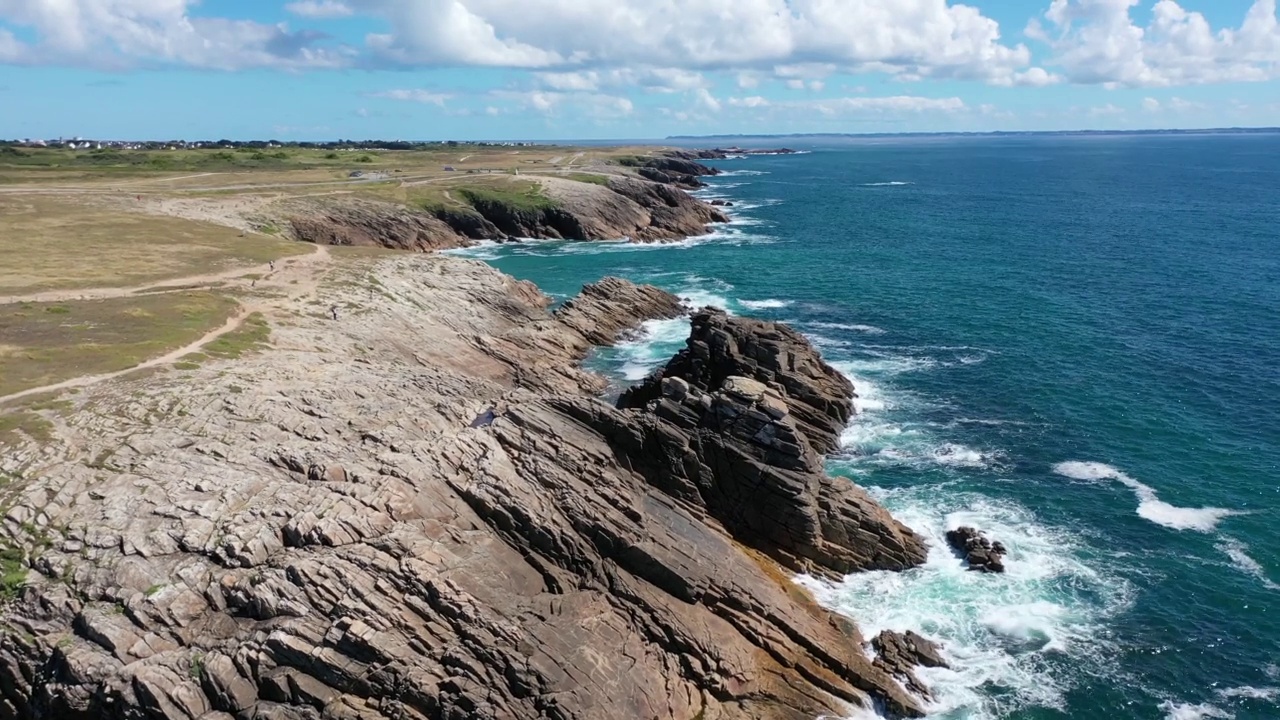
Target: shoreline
(217, 534)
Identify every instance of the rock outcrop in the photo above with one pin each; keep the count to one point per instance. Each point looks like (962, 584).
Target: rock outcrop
(899, 654)
(739, 426)
(981, 554)
(604, 311)
(371, 223)
(623, 207)
(819, 399)
(417, 512)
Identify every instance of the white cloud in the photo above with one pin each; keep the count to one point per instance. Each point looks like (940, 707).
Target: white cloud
(754, 101)
(425, 97)
(891, 104)
(1105, 110)
(664, 80)
(914, 38)
(748, 80)
(1097, 41)
(597, 106)
(706, 101)
(1173, 104)
(124, 33)
(322, 9)
(1033, 77)
(796, 84)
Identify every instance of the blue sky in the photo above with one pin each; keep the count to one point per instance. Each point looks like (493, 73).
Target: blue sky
(561, 69)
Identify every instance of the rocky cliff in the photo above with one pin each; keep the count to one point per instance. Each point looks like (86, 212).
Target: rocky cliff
(421, 511)
(650, 206)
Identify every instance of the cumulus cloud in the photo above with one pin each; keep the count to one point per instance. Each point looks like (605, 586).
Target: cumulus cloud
(598, 106)
(322, 9)
(425, 97)
(663, 80)
(891, 104)
(123, 33)
(1173, 104)
(907, 38)
(1098, 42)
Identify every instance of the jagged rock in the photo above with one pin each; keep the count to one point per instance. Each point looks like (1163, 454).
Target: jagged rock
(721, 203)
(981, 554)
(675, 164)
(338, 538)
(370, 223)
(818, 397)
(604, 310)
(899, 654)
(745, 439)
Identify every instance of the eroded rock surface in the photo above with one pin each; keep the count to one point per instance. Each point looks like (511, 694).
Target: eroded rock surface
(819, 398)
(981, 554)
(420, 511)
(899, 654)
(740, 419)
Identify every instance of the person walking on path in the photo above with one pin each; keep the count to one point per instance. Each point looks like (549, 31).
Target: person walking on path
(333, 310)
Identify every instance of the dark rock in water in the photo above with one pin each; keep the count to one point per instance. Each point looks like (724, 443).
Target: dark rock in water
(721, 203)
(818, 397)
(981, 554)
(737, 423)
(900, 653)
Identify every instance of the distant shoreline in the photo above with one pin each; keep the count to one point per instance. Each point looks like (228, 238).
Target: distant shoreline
(993, 133)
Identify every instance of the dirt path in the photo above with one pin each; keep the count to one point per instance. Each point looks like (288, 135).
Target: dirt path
(299, 276)
(232, 323)
(191, 282)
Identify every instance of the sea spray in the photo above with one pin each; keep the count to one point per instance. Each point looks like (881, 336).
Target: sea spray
(1150, 506)
(1009, 632)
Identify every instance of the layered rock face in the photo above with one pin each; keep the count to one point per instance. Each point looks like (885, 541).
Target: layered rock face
(749, 452)
(818, 398)
(650, 208)
(422, 512)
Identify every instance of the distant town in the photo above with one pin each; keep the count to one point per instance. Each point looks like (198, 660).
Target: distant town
(79, 143)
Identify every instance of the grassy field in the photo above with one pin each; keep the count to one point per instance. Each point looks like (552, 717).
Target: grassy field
(46, 343)
(48, 242)
(120, 169)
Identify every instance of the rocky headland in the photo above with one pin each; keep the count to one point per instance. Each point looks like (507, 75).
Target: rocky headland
(424, 509)
(643, 200)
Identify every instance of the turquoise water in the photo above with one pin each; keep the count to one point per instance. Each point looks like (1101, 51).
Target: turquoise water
(1071, 343)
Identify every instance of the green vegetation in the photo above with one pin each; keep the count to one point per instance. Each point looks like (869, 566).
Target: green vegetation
(253, 334)
(93, 337)
(13, 572)
(589, 178)
(24, 422)
(521, 197)
(52, 243)
(151, 591)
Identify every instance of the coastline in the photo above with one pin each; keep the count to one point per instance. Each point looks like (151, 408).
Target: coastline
(322, 523)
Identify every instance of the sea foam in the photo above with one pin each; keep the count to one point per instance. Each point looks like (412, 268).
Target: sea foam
(770, 304)
(1186, 711)
(1150, 506)
(1240, 560)
(999, 630)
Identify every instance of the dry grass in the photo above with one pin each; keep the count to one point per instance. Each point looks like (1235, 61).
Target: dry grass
(51, 243)
(46, 343)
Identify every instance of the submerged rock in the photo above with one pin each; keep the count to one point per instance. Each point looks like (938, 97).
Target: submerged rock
(981, 554)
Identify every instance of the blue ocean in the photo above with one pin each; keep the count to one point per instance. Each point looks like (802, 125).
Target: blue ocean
(1071, 343)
